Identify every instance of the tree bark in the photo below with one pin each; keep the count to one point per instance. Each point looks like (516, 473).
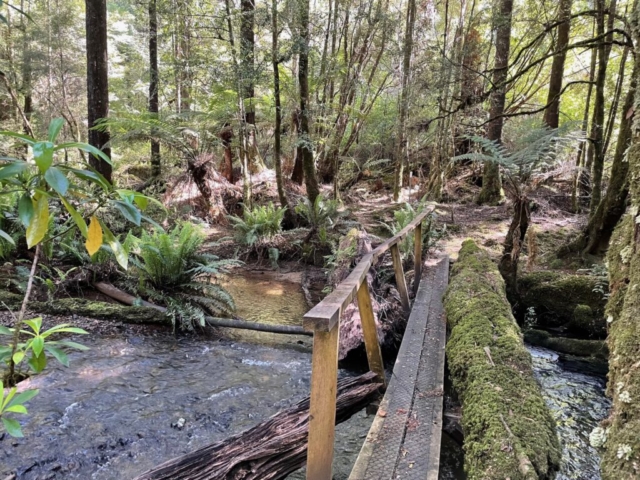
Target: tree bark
(272, 449)
(98, 82)
(308, 164)
(552, 113)
(401, 145)
(226, 166)
(491, 192)
(297, 175)
(153, 85)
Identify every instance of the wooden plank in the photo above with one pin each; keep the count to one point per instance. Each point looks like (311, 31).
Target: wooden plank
(370, 332)
(322, 411)
(401, 282)
(417, 257)
(324, 316)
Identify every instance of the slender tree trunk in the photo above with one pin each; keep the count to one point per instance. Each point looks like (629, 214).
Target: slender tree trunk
(26, 72)
(247, 79)
(153, 85)
(552, 113)
(182, 54)
(275, 60)
(226, 166)
(491, 192)
(308, 163)
(297, 175)
(613, 111)
(401, 135)
(596, 149)
(98, 81)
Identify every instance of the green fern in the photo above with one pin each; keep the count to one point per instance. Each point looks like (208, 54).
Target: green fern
(172, 270)
(259, 223)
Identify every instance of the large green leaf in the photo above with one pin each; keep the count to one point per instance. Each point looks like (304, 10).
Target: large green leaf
(43, 155)
(54, 128)
(39, 225)
(37, 345)
(20, 136)
(118, 250)
(85, 147)
(6, 237)
(39, 362)
(57, 180)
(12, 426)
(77, 218)
(58, 354)
(25, 209)
(13, 169)
(92, 176)
(128, 211)
(24, 397)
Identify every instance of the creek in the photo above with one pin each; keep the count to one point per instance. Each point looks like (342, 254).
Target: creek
(115, 412)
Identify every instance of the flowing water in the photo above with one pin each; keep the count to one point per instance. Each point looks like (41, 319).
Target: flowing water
(116, 411)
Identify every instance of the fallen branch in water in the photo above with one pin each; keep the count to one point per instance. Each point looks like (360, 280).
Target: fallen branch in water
(127, 299)
(272, 449)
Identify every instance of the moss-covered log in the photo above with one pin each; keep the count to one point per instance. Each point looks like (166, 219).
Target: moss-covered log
(573, 346)
(509, 431)
(89, 308)
(561, 300)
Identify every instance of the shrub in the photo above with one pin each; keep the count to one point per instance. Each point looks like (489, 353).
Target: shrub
(258, 223)
(172, 270)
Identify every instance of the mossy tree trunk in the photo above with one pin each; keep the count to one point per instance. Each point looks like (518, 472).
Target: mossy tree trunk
(509, 431)
(621, 458)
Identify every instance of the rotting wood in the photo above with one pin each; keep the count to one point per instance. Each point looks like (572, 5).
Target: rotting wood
(272, 449)
(124, 297)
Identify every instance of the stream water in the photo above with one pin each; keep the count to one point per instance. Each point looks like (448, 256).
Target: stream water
(115, 411)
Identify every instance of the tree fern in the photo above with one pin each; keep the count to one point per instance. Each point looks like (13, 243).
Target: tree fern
(261, 222)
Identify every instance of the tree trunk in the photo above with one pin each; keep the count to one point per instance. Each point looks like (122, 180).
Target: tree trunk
(552, 113)
(226, 166)
(596, 148)
(275, 60)
(401, 146)
(491, 192)
(98, 81)
(247, 79)
(613, 111)
(271, 450)
(508, 265)
(182, 53)
(297, 175)
(308, 164)
(596, 237)
(153, 85)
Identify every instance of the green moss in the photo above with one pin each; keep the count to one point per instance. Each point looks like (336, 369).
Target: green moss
(509, 431)
(562, 300)
(573, 346)
(91, 309)
(623, 311)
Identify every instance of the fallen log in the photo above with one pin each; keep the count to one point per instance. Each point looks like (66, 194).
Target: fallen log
(272, 449)
(127, 299)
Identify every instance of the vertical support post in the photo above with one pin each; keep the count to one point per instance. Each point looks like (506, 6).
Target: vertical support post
(400, 280)
(369, 331)
(322, 411)
(417, 257)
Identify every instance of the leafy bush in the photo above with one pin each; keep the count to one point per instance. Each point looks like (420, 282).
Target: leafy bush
(172, 271)
(258, 223)
(321, 216)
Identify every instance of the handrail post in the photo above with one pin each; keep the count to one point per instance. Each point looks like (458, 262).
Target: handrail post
(322, 409)
(417, 257)
(400, 280)
(370, 332)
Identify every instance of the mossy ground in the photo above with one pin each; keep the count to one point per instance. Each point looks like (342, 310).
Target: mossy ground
(509, 431)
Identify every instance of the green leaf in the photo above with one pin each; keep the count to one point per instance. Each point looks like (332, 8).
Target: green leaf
(85, 147)
(39, 362)
(58, 354)
(54, 128)
(128, 211)
(77, 218)
(57, 180)
(37, 345)
(12, 426)
(93, 177)
(5, 330)
(35, 324)
(16, 409)
(13, 169)
(70, 344)
(4, 235)
(18, 357)
(43, 155)
(64, 328)
(119, 252)
(25, 209)
(20, 136)
(24, 397)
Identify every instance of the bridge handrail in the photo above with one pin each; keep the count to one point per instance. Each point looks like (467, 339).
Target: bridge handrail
(324, 321)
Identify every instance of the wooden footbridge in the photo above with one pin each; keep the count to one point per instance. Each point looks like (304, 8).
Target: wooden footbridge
(404, 440)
